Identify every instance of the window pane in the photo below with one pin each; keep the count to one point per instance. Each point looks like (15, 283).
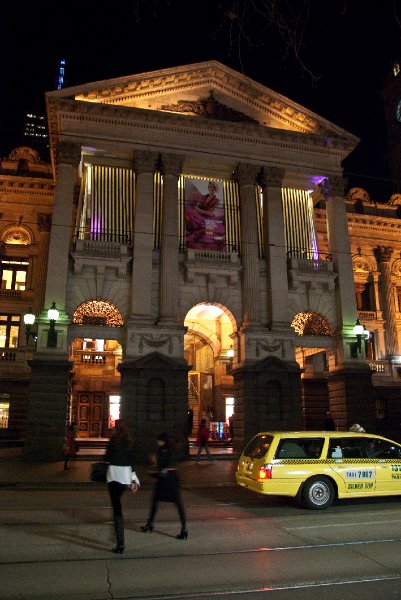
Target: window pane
(6, 279)
(14, 330)
(4, 412)
(3, 336)
(20, 280)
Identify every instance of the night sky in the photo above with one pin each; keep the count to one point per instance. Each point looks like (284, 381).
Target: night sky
(346, 51)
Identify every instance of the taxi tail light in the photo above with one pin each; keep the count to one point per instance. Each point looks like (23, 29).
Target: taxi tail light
(265, 472)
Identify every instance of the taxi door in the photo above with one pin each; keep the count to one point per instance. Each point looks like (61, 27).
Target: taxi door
(388, 464)
(351, 463)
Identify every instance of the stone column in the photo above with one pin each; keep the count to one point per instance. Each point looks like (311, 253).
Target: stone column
(340, 248)
(350, 383)
(171, 169)
(387, 301)
(274, 247)
(145, 166)
(60, 239)
(246, 176)
(48, 391)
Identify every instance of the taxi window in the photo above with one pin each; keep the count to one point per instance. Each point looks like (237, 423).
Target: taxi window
(378, 448)
(300, 448)
(347, 448)
(258, 446)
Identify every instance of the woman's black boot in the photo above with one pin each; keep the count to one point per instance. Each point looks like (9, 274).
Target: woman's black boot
(183, 534)
(119, 529)
(147, 527)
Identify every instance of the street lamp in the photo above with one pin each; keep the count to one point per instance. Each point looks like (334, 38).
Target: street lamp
(52, 315)
(360, 332)
(29, 320)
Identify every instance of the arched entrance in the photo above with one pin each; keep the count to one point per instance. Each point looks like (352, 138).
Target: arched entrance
(95, 379)
(208, 349)
(95, 386)
(315, 356)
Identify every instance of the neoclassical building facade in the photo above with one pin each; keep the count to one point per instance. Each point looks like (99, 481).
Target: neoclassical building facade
(203, 253)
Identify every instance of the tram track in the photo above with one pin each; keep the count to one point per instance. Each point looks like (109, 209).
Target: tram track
(246, 551)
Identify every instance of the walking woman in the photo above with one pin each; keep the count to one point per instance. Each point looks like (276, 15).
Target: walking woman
(120, 476)
(167, 487)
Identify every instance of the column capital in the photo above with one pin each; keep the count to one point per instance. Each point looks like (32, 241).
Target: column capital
(68, 153)
(383, 253)
(332, 187)
(171, 164)
(246, 174)
(271, 177)
(146, 162)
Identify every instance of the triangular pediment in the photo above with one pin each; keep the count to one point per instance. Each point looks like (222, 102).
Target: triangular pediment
(207, 90)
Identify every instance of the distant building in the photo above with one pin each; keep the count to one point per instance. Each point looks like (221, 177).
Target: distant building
(35, 131)
(26, 205)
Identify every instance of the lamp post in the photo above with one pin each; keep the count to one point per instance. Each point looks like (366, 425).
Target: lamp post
(29, 320)
(52, 315)
(360, 333)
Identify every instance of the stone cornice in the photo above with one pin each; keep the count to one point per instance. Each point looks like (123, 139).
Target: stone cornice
(373, 223)
(20, 185)
(372, 227)
(78, 117)
(174, 119)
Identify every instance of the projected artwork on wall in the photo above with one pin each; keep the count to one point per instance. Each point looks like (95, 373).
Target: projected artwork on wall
(204, 214)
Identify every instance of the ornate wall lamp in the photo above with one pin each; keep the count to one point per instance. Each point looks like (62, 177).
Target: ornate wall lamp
(53, 315)
(360, 332)
(29, 320)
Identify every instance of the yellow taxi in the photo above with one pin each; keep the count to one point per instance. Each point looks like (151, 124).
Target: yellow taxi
(318, 467)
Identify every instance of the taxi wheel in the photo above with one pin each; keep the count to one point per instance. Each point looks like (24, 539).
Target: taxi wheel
(318, 493)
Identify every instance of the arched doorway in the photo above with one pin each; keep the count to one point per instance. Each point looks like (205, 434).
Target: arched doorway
(95, 386)
(208, 349)
(95, 379)
(314, 353)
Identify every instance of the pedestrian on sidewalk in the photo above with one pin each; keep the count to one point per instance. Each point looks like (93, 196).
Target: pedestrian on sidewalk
(167, 487)
(202, 441)
(71, 445)
(190, 415)
(120, 476)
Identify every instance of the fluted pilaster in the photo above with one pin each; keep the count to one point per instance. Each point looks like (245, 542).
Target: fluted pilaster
(339, 246)
(171, 169)
(145, 165)
(69, 156)
(246, 176)
(274, 248)
(383, 256)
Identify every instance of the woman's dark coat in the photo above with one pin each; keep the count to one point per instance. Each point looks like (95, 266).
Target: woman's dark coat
(167, 488)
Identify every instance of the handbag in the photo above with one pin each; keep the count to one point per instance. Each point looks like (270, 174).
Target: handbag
(98, 471)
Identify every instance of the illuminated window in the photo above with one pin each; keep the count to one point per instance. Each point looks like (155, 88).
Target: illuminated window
(310, 323)
(114, 410)
(93, 345)
(9, 331)
(229, 407)
(106, 208)
(98, 312)
(4, 413)
(13, 274)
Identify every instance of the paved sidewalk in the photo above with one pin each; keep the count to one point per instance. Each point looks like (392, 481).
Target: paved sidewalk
(15, 472)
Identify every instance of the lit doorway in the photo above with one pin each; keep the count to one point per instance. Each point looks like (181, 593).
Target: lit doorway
(95, 386)
(208, 349)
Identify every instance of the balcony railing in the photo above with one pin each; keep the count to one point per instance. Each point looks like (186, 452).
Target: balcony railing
(310, 262)
(381, 367)
(93, 358)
